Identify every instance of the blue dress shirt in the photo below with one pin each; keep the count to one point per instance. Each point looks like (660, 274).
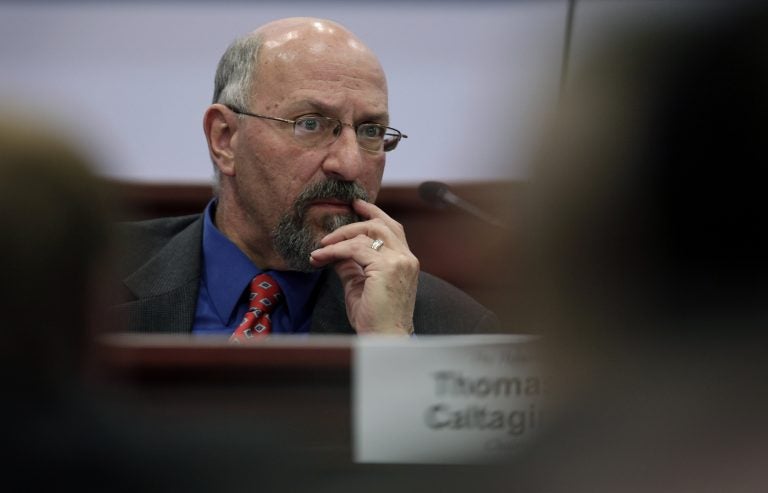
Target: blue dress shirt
(224, 281)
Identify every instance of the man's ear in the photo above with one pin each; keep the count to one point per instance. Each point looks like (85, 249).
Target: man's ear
(220, 126)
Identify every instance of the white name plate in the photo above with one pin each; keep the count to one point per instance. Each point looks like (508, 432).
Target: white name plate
(444, 399)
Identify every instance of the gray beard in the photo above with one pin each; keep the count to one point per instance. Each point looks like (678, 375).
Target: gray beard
(294, 239)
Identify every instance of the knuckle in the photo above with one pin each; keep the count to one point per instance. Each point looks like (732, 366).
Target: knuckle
(405, 262)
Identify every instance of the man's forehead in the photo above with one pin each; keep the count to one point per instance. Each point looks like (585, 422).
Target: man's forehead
(371, 111)
(321, 81)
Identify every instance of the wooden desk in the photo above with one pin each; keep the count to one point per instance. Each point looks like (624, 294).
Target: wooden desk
(299, 386)
(298, 389)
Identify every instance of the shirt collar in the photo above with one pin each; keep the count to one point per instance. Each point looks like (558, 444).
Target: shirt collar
(228, 271)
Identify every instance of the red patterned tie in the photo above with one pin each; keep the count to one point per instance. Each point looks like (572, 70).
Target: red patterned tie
(265, 295)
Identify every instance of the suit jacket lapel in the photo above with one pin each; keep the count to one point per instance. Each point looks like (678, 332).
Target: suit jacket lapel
(166, 290)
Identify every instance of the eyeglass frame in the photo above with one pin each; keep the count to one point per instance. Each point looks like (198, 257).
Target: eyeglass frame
(400, 135)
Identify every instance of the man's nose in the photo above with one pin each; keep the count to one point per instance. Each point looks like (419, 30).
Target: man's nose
(345, 157)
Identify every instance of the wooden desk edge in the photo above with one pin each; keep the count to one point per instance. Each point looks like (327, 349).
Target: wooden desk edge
(141, 352)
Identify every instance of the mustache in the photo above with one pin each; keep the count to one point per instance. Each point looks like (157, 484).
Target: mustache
(345, 191)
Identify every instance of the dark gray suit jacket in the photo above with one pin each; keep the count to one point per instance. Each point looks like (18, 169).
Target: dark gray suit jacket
(160, 270)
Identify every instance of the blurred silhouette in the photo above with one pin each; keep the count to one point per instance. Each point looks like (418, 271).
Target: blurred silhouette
(53, 217)
(64, 428)
(649, 260)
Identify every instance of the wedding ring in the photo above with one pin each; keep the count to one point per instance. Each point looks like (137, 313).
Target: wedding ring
(376, 245)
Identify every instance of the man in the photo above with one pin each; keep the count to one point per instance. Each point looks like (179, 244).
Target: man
(297, 133)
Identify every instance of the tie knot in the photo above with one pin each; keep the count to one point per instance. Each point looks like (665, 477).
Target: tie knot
(265, 294)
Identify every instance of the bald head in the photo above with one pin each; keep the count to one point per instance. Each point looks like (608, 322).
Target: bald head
(311, 34)
(287, 41)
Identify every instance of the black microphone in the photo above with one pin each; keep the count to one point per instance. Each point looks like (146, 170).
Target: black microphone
(437, 193)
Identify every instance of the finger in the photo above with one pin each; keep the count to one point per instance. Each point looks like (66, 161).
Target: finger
(372, 211)
(349, 272)
(381, 226)
(373, 229)
(358, 249)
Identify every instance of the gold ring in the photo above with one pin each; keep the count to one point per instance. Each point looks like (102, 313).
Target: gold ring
(377, 244)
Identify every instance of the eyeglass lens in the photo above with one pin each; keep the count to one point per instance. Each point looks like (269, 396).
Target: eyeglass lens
(316, 130)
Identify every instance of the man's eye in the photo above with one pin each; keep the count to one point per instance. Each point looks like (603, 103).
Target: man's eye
(371, 131)
(308, 124)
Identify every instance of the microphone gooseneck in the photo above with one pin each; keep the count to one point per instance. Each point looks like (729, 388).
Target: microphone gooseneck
(437, 193)
(433, 192)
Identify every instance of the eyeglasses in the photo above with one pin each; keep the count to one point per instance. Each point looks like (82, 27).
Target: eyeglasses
(313, 130)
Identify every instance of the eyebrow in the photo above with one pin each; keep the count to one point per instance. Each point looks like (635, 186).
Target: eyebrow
(327, 110)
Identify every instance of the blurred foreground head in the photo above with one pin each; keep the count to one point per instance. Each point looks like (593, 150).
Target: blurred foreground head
(650, 262)
(54, 224)
(649, 206)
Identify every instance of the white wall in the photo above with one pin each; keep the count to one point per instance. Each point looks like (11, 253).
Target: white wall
(130, 80)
